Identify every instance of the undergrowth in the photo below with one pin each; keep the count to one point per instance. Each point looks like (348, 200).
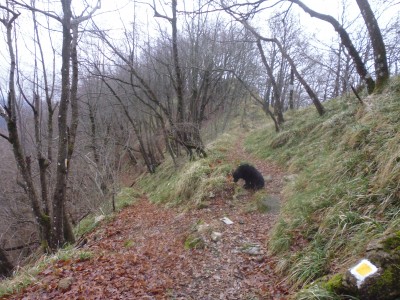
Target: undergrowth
(124, 198)
(347, 188)
(192, 182)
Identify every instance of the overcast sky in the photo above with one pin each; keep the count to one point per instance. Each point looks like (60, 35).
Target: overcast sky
(116, 12)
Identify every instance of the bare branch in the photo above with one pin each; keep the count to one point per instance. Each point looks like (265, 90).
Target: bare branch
(7, 22)
(5, 137)
(82, 18)
(346, 41)
(156, 13)
(29, 7)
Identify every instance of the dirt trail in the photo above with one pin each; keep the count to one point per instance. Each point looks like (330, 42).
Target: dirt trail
(140, 255)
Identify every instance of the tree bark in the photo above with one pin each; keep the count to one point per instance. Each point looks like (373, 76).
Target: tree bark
(291, 90)
(338, 72)
(62, 157)
(380, 59)
(275, 88)
(178, 72)
(6, 266)
(23, 163)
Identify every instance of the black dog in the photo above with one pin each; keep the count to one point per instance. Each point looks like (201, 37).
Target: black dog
(253, 179)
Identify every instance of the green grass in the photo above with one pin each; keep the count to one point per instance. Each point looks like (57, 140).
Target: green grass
(192, 182)
(347, 188)
(129, 243)
(316, 292)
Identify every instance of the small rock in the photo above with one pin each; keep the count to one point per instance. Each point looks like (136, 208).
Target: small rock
(268, 179)
(216, 277)
(99, 219)
(252, 250)
(211, 195)
(216, 236)
(290, 178)
(226, 221)
(65, 284)
(260, 258)
(202, 228)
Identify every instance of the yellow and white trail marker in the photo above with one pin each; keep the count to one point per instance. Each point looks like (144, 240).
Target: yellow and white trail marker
(363, 270)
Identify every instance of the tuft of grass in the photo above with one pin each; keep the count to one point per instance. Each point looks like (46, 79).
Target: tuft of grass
(86, 225)
(129, 243)
(194, 181)
(126, 197)
(309, 265)
(194, 241)
(281, 238)
(208, 187)
(316, 292)
(85, 255)
(190, 179)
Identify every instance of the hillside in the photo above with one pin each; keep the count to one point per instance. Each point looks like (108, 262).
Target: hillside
(343, 204)
(332, 190)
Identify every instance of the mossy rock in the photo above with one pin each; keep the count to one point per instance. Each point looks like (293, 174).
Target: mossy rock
(334, 284)
(392, 243)
(384, 284)
(388, 284)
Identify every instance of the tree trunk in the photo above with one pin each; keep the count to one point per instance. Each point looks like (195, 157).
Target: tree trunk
(178, 72)
(381, 65)
(291, 90)
(69, 236)
(338, 73)
(309, 90)
(5, 265)
(23, 163)
(277, 96)
(62, 157)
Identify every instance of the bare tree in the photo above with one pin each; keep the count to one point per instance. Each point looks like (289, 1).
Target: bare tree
(346, 41)
(9, 112)
(54, 226)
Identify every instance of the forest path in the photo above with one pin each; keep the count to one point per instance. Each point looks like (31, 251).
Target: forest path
(141, 254)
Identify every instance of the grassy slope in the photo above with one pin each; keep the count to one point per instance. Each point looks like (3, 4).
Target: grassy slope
(347, 188)
(190, 183)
